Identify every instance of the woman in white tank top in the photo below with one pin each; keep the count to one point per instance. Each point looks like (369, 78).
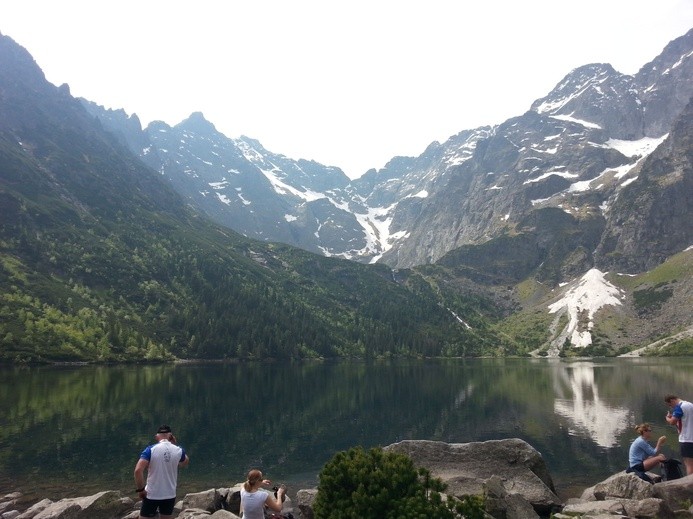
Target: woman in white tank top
(254, 499)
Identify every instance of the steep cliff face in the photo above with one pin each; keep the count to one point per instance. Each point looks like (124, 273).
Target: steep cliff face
(650, 219)
(530, 162)
(573, 150)
(666, 86)
(599, 94)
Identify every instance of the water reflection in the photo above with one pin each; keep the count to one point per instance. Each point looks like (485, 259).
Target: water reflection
(78, 430)
(588, 413)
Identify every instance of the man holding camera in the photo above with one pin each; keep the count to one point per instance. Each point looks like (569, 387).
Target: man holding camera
(161, 462)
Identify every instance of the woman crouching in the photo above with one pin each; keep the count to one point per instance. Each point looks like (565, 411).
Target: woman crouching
(642, 456)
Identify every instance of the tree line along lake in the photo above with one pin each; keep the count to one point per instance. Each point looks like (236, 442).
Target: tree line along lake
(67, 431)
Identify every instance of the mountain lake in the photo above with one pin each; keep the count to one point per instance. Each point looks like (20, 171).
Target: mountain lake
(69, 431)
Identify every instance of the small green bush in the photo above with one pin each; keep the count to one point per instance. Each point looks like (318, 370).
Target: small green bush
(360, 484)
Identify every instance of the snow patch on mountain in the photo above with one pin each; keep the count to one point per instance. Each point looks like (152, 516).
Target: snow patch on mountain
(642, 147)
(587, 295)
(223, 198)
(678, 63)
(571, 119)
(629, 181)
(283, 188)
(239, 194)
(219, 185)
(556, 104)
(563, 174)
(376, 225)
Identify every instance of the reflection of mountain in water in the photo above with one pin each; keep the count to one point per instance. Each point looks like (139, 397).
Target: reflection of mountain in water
(585, 410)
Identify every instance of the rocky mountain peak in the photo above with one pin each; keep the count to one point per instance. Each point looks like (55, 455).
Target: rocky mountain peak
(197, 123)
(598, 96)
(18, 58)
(572, 151)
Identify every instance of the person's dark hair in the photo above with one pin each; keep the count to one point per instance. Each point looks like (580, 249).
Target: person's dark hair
(163, 429)
(669, 398)
(253, 477)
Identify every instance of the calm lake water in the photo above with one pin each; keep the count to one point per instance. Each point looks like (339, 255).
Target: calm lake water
(69, 431)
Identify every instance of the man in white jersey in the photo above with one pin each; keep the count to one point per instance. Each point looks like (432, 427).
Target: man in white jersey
(161, 462)
(681, 415)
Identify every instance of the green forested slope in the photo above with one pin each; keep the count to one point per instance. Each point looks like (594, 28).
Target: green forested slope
(120, 281)
(101, 260)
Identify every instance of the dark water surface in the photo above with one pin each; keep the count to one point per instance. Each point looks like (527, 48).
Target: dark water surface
(70, 431)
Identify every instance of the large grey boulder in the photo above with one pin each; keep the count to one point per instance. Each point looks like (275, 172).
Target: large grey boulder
(677, 493)
(611, 507)
(194, 513)
(63, 509)
(622, 485)
(648, 507)
(232, 501)
(502, 505)
(8, 501)
(304, 502)
(104, 505)
(34, 509)
(210, 500)
(465, 467)
(223, 514)
(627, 495)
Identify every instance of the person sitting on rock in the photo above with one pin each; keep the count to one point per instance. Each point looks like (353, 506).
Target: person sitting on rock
(642, 456)
(254, 499)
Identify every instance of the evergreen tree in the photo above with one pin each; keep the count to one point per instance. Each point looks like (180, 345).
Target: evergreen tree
(360, 484)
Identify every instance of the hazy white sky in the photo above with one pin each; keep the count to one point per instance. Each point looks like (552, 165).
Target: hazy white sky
(346, 83)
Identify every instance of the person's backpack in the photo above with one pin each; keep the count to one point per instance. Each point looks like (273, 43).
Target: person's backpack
(672, 469)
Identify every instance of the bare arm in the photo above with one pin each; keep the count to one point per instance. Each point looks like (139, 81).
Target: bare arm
(276, 504)
(140, 468)
(661, 441)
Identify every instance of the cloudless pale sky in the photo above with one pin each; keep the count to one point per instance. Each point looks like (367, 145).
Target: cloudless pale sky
(348, 83)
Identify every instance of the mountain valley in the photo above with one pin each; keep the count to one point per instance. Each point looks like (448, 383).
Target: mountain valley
(562, 231)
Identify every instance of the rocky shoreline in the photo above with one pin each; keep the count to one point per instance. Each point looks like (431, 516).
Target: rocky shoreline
(510, 474)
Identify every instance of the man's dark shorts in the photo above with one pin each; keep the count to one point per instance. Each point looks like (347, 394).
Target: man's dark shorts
(149, 506)
(687, 450)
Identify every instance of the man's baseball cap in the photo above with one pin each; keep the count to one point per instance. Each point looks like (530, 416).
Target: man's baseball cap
(163, 429)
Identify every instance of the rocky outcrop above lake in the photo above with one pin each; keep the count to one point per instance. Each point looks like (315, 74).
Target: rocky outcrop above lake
(467, 469)
(510, 473)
